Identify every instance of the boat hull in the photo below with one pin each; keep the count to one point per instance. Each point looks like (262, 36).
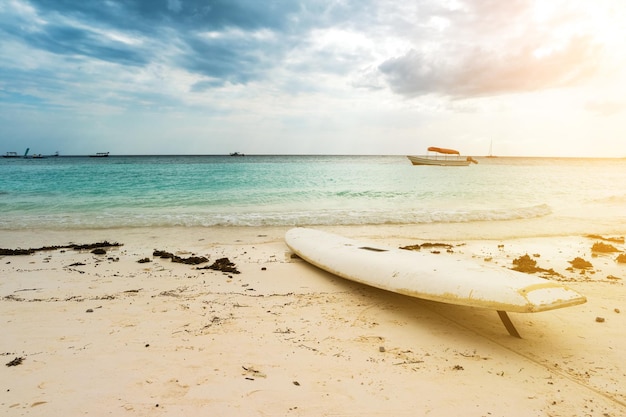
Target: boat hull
(438, 161)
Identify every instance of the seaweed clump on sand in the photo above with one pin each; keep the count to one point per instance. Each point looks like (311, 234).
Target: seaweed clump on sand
(608, 239)
(429, 245)
(580, 263)
(98, 245)
(603, 248)
(30, 251)
(16, 361)
(13, 252)
(529, 266)
(224, 265)
(192, 260)
(621, 258)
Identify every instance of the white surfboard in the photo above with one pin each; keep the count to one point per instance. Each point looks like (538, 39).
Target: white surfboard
(431, 276)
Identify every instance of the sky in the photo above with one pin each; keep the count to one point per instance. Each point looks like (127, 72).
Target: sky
(366, 77)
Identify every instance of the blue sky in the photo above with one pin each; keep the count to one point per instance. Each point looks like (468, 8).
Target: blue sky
(534, 78)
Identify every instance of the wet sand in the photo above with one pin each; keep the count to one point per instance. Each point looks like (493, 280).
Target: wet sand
(107, 335)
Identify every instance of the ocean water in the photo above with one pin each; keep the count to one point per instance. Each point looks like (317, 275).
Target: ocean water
(558, 194)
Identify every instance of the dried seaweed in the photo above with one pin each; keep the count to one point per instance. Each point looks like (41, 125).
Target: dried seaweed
(608, 239)
(16, 361)
(224, 265)
(192, 260)
(603, 248)
(30, 251)
(580, 263)
(529, 266)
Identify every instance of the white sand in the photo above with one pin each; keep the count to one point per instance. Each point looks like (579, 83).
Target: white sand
(285, 339)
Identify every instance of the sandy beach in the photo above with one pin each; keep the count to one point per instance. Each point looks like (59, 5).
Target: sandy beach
(103, 334)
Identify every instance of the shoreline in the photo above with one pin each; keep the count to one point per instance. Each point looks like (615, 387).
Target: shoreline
(456, 231)
(114, 336)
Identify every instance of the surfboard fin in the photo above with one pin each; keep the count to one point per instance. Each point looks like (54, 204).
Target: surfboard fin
(508, 324)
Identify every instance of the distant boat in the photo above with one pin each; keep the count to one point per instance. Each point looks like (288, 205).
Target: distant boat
(10, 155)
(100, 155)
(237, 154)
(442, 157)
(33, 156)
(491, 151)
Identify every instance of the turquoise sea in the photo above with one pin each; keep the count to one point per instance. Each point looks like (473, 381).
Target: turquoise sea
(149, 191)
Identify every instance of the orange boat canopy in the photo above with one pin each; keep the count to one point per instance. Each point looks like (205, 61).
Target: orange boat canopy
(444, 150)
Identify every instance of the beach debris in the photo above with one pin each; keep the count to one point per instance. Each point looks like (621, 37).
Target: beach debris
(144, 260)
(192, 260)
(619, 239)
(296, 383)
(428, 245)
(457, 367)
(27, 289)
(77, 264)
(600, 319)
(17, 361)
(12, 252)
(529, 266)
(99, 251)
(621, 258)
(603, 248)
(580, 263)
(89, 310)
(172, 293)
(249, 370)
(30, 251)
(224, 265)
(279, 331)
(104, 244)
(525, 264)
(616, 310)
(162, 254)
